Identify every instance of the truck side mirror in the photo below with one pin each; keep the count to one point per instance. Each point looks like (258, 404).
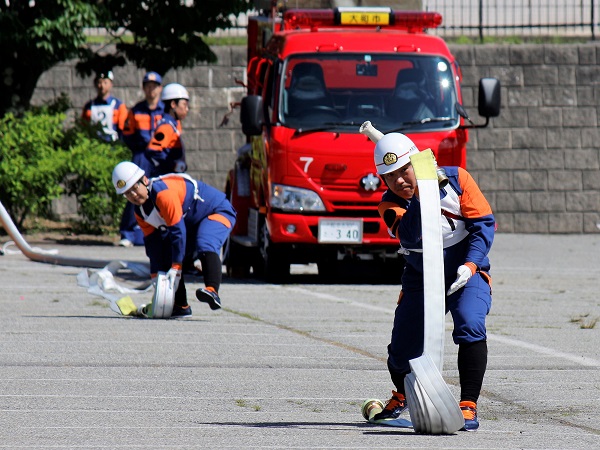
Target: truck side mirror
(489, 97)
(488, 103)
(252, 115)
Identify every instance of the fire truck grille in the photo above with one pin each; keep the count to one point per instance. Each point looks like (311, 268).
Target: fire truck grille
(356, 209)
(340, 212)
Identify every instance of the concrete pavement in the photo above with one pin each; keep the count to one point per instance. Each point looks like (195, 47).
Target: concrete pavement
(288, 366)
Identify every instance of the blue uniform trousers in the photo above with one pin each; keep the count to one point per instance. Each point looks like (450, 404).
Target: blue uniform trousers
(468, 306)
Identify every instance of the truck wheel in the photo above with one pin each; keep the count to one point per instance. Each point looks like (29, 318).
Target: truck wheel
(327, 270)
(328, 266)
(237, 259)
(273, 265)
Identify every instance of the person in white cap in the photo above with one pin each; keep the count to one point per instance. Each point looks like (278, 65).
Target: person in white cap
(182, 219)
(166, 151)
(106, 109)
(468, 228)
(140, 126)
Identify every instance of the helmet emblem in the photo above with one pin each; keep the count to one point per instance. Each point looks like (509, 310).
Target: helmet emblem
(121, 184)
(370, 182)
(390, 158)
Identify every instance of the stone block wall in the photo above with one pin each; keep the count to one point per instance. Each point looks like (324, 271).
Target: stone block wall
(538, 163)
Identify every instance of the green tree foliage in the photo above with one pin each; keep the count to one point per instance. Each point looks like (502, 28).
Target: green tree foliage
(35, 37)
(166, 34)
(39, 159)
(154, 34)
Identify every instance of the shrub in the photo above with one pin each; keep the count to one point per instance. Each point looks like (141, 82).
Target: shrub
(32, 163)
(88, 177)
(40, 160)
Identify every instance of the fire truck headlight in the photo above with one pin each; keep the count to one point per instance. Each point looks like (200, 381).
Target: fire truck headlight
(287, 198)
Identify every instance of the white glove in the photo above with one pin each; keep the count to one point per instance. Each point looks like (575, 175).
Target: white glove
(463, 275)
(174, 277)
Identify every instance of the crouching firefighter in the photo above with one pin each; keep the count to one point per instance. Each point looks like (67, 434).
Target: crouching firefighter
(182, 220)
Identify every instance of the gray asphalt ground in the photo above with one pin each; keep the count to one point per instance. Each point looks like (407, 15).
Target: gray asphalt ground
(288, 366)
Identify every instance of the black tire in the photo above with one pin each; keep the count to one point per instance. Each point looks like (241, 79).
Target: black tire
(237, 259)
(328, 266)
(273, 264)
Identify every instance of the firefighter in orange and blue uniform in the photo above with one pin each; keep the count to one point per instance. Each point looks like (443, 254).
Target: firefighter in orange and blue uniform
(106, 109)
(144, 118)
(468, 228)
(141, 123)
(182, 220)
(166, 152)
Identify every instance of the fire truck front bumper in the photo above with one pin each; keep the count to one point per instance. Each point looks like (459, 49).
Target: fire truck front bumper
(303, 229)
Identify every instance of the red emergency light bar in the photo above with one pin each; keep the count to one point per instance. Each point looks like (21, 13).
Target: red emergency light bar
(413, 21)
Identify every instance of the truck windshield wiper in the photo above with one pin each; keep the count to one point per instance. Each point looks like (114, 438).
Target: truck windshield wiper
(325, 127)
(406, 125)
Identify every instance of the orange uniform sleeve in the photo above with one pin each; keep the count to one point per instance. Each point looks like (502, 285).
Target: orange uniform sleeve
(121, 116)
(86, 114)
(164, 137)
(170, 201)
(473, 204)
(143, 121)
(391, 213)
(130, 124)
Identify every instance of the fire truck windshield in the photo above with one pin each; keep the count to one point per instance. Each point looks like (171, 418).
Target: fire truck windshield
(339, 91)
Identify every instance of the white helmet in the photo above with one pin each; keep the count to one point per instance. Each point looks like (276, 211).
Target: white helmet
(392, 152)
(174, 91)
(125, 175)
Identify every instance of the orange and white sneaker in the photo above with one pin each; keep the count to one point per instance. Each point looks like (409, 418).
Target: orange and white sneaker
(393, 408)
(469, 410)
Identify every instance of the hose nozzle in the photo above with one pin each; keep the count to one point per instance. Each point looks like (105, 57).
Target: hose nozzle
(441, 176)
(370, 131)
(375, 135)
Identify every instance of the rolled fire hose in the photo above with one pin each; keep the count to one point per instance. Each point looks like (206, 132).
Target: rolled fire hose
(432, 408)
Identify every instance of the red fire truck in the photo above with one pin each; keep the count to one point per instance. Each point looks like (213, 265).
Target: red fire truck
(305, 185)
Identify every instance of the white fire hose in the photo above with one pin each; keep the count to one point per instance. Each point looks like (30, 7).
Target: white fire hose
(432, 407)
(437, 412)
(43, 255)
(97, 282)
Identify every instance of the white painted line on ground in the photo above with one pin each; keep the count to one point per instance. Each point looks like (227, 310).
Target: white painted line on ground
(581, 360)
(563, 270)
(335, 299)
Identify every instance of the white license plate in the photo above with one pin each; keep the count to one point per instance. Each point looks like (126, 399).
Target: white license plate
(340, 231)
